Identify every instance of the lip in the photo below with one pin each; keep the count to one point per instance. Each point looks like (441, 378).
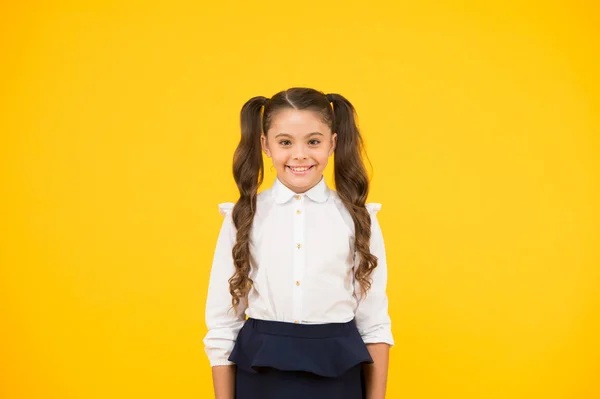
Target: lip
(289, 168)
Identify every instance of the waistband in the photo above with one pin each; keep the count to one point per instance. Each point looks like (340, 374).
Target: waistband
(301, 330)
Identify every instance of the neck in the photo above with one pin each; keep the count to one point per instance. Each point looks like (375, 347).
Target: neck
(298, 190)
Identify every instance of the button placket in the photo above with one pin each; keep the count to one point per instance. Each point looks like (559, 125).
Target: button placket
(299, 256)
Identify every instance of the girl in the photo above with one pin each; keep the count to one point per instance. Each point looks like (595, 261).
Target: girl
(303, 263)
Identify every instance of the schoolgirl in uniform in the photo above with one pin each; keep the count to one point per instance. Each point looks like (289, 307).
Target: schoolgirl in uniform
(297, 304)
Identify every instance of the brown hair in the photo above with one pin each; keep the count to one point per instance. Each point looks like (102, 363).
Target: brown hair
(351, 180)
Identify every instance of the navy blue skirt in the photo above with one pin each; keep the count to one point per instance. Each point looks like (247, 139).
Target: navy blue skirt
(285, 360)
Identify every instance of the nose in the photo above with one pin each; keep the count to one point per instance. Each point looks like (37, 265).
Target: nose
(299, 152)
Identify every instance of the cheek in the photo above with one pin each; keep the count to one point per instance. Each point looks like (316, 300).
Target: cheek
(322, 157)
(279, 157)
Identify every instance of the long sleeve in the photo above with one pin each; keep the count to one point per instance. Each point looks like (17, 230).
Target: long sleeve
(222, 321)
(372, 317)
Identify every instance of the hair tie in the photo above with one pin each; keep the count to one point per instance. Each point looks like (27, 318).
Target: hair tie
(329, 97)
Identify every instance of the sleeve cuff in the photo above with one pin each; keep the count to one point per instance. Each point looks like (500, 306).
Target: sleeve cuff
(380, 336)
(220, 362)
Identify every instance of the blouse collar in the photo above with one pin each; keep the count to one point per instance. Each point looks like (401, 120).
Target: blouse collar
(282, 194)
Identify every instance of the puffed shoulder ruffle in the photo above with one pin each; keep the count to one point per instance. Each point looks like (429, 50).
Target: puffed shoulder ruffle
(373, 208)
(225, 208)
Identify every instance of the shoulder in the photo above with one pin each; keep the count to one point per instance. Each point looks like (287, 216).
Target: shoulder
(265, 196)
(372, 207)
(225, 208)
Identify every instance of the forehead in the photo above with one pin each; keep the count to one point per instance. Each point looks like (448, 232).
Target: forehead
(293, 121)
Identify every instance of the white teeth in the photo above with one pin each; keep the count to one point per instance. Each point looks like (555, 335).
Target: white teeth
(299, 169)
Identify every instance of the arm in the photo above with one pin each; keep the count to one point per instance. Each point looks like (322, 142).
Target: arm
(376, 373)
(372, 317)
(222, 321)
(224, 381)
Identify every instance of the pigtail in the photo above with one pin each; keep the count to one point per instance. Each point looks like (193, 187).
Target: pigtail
(352, 183)
(248, 171)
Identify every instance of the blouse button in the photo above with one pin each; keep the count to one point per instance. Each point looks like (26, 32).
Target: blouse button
(298, 197)
(298, 211)
(296, 321)
(298, 245)
(297, 282)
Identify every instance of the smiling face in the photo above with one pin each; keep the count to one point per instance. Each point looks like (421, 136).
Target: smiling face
(300, 145)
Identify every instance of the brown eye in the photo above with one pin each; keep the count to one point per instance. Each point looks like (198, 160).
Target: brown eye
(285, 142)
(314, 142)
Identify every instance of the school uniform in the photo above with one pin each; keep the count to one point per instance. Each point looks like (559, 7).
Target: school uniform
(302, 331)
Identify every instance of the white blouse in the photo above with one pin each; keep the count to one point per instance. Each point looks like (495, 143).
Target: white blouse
(302, 265)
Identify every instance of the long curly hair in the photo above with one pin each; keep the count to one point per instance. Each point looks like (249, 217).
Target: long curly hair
(351, 179)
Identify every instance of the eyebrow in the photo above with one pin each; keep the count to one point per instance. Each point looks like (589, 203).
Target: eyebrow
(306, 136)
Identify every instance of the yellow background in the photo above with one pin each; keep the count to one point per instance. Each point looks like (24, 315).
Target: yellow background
(119, 121)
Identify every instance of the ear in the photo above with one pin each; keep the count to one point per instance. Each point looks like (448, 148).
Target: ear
(264, 145)
(333, 143)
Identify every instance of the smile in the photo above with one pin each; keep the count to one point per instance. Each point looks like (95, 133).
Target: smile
(300, 170)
